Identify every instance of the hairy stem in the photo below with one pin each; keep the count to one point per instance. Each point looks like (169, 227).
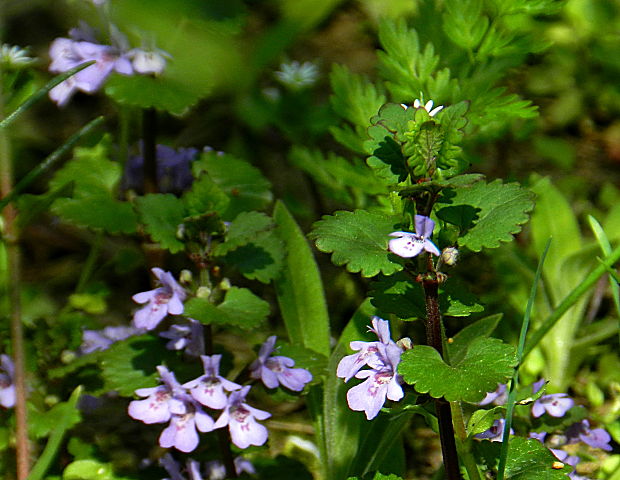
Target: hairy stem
(444, 414)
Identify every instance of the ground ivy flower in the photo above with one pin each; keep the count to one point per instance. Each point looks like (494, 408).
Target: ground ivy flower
(276, 370)
(148, 62)
(215, 470)
(99, 340)
(495, 433)
(498, 397)
(189, 337)
(7, 387)
(594, 437)
(209, 388)
(409, 244)
(67, 53)
(556, 404)
(381, 383)
(164, 300)
(367, 352)
(241, 420)
(181, 432)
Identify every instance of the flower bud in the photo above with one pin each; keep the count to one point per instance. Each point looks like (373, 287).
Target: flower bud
(186, 277)
(449, 256)
(203, 292)
(405, 343)
(225, 284)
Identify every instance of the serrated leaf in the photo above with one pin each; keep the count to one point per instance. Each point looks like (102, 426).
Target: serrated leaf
(148, 92)
(487, 214)
(205, 197)
(488, 362)
(387, 159)
(243, 229)
(161, 215)
(245, 186)
(528, 459)
(399, 295)
(41, 424)
(240, 308)
(480, 328)
(97, 211)
(358, 240)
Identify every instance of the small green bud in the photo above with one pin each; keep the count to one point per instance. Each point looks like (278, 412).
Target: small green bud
(186, 276)
(67, 356)
(225, 284)
(181, 231)
(449, 256)
(203, 292)
(405, 343)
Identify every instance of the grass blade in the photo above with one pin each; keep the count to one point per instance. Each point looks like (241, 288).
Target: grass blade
(515, 378)
(603, 241)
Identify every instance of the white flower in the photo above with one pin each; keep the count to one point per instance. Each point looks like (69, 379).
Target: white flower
(428, 107)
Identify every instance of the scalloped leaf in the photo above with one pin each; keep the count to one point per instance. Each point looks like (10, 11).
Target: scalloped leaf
(243, 230)
(387, 159)
(399, 295)
(358, 240)
(480, 328)
(486, 213)
(246, 187)
(205, 197)
(528, 459)
(488, 361)
(97, 212)
(145, 91)
(162, 214)
(240, 308)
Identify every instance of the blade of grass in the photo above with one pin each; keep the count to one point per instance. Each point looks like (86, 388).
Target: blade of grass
(55, 439)
(603, 242)
(46, 164)
(570, 300)
(510, 405)
(30, 101)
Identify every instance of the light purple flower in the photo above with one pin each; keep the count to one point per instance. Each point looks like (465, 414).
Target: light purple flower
(368, 352)
(99, 340)
(7, 387)
(164, 300)
(189, 337)
(241, 420)
(409, 244)
(171, 402)
(215, 470)
(208, 389)
(172, 467)
(540, 436)
(556, 404)
(67, 53)
(595, 437)
(276, 370)
(495, 433)
(370, 395)
(498, 397)
(148, 62)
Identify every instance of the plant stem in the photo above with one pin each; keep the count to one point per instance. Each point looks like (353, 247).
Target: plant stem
(444, 414)
(464, 442)
(11, 238)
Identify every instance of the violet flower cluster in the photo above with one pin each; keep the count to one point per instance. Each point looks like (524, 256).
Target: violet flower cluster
(407, 244)
(382, 380)
(555, 405)
(7, 385)
(182, 406)
(82, 46)
(213, 470)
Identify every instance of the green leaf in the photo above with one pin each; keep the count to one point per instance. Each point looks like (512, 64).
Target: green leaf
(528, 459)
(481, 420)
(205, 197)
(480, 328)
(41, 424)
(253, 247)
(161, 215)
(145, 91)
(487, 214)
(387, 159)
(240, 308)
(299, 288)
(89, 469)
(97, 211)
(398, 294)
(488, 362)
(244, 184)
(464, 23)
(358, 240)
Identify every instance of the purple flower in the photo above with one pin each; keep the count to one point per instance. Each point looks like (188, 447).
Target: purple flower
(368, 352)
(498, 397)
(277, 370)
(164, 300)
(99, 340)
(556, 404)
(148, 62)
(170, 402)
(216, 470)
(67, 53)
(409, 245)
(369, 396)
(540, 436)
(172, 467)
(7, 388)
(189, 337)
(209, 388)
(240, 418)
(595, 437)
(495, 433)
(174, 174)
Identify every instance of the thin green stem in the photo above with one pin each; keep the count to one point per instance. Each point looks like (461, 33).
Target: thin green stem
(89, 265)
(149, 150)
(464, 445)
(570, 300)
